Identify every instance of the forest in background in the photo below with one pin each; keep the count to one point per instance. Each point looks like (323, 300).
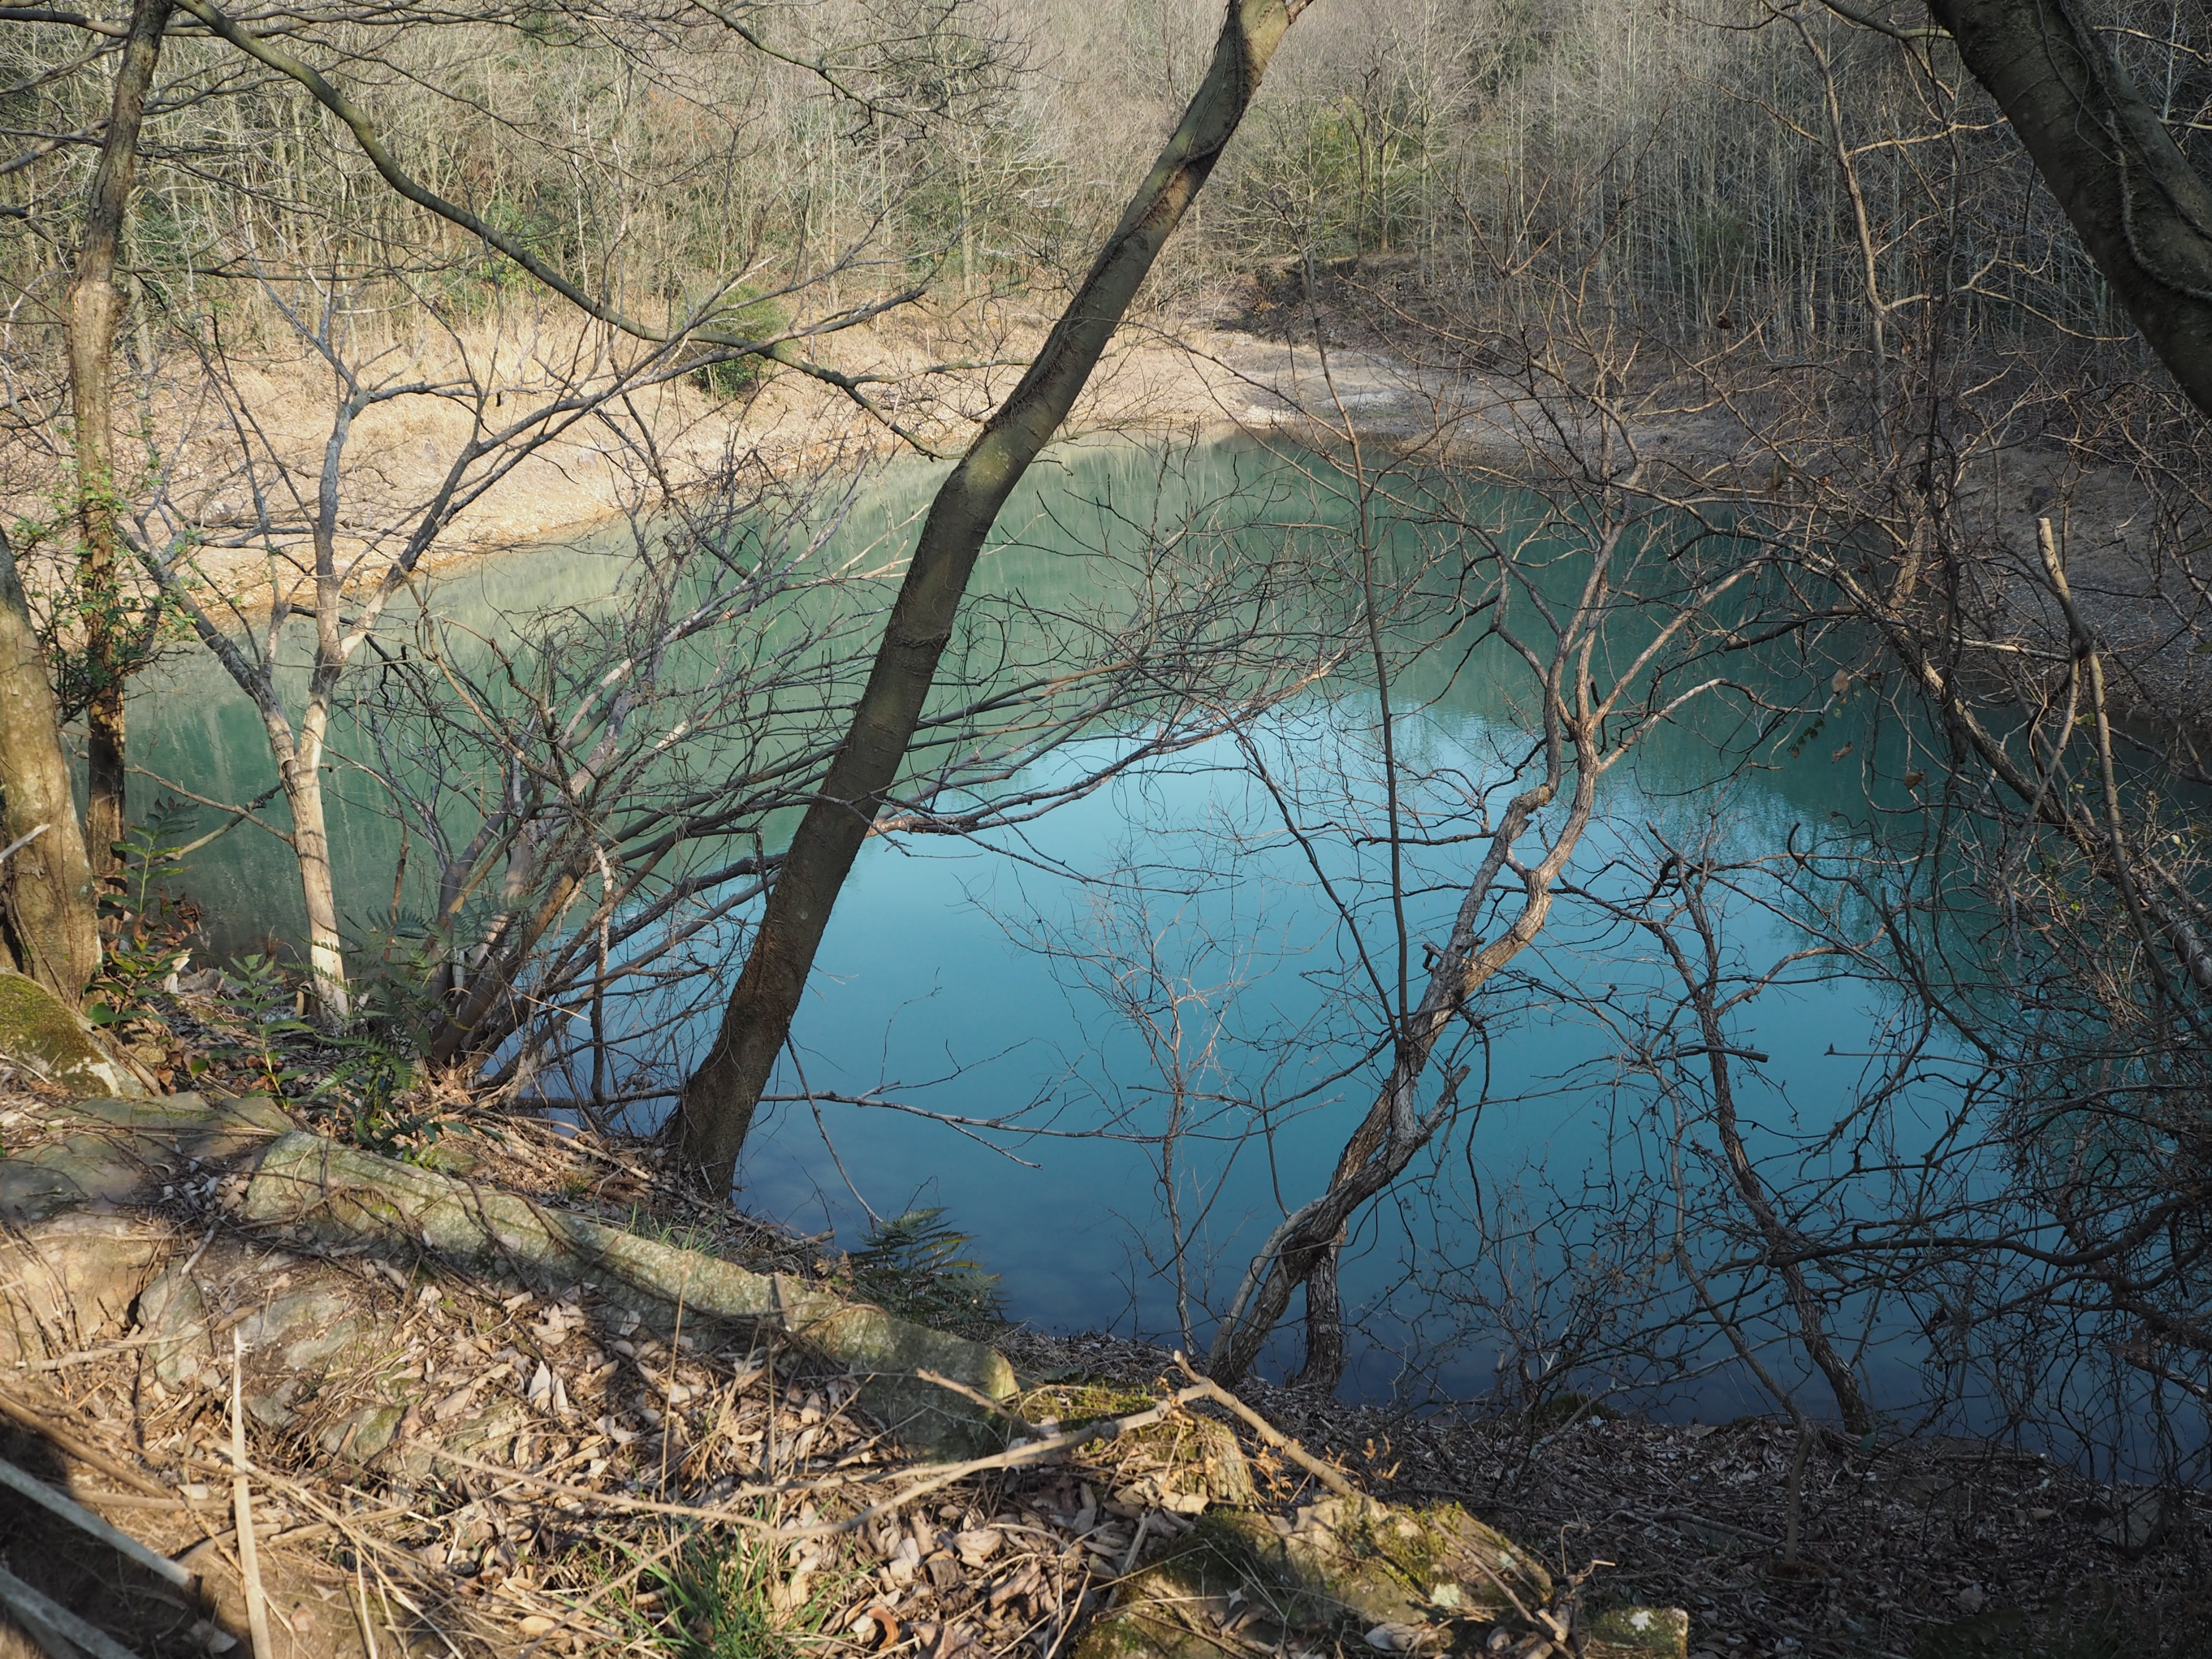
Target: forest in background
(1682, 166)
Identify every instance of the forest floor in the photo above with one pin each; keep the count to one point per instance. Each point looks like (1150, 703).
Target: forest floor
(621, 1490)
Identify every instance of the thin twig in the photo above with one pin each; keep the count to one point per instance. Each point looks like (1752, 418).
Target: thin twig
(83, 1451)
(368, 1619)
(241, 1493)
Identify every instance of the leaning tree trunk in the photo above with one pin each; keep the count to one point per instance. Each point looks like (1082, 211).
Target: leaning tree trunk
(716, 1110)
(2142, 212)
(92, 310)
(1302, 1252)
(48, 918)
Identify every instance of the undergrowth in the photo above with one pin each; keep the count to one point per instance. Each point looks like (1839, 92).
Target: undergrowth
(914, 1265)
(732, 1603)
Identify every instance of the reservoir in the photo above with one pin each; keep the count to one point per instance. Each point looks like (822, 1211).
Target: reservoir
(1116, 1040)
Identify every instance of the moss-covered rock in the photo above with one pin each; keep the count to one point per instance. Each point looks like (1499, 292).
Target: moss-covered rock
(1637, 1633)
(1348, 1569)
(1072, 1403)
(1402, 1566)
(317, 1189)
(1187, 1464)
(46, 1037)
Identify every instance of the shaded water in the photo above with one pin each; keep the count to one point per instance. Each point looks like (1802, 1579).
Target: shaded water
(964, 977)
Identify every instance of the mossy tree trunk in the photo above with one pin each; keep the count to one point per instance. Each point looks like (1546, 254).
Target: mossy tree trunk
(48, 918)
(95, 306)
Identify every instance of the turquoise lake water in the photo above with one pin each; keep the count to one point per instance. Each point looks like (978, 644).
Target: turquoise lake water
(964, 976)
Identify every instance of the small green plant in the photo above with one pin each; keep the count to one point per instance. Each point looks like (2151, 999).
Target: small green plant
(266, 1010)
(137, 621)
(359, 1078)
(732, 1603)
(914, 1267)
(368, 1084)
(146, 927)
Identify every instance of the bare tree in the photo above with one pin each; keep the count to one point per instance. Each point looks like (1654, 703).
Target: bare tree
(1584, 728)
(593, 793)
(315, 274)
(716, 1111)
(350, 566)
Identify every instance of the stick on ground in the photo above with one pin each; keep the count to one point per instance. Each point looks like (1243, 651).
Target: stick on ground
(241, 1492)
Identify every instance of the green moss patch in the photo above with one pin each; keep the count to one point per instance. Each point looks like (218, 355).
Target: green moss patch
(1084, 1399)
(43, 1035)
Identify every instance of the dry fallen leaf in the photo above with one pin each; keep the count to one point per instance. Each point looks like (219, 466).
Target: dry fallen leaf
(1396, 1638)
(977, 1546)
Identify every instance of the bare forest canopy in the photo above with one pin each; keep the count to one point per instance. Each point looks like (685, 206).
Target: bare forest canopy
(1704, 340)
(1680, 163)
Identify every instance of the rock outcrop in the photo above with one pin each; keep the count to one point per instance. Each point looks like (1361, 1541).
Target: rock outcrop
(1349, 1572)
(84, 1254)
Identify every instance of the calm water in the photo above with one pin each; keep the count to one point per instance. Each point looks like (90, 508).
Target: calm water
(966, 978)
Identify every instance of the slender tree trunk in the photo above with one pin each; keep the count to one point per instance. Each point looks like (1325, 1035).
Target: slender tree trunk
(1781, 1236)
(716, 1110)
(1396, 1129)
(48, 920)
(93, 307)
(1324, 1362)
(301, 767)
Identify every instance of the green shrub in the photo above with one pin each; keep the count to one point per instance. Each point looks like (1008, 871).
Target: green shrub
(738, 311)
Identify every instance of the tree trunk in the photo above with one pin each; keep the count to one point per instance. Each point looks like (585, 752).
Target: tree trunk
(2143, 214)
(716, 1110)
(93, 307)
(1395, 1129)
(48, 921)
(1781, 1236)
(301, 767)
(1324, 1362)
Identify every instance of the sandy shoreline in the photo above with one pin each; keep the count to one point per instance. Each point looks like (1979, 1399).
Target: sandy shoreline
(935, 382)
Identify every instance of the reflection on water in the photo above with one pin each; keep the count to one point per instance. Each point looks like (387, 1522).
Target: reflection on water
(1162, 947)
